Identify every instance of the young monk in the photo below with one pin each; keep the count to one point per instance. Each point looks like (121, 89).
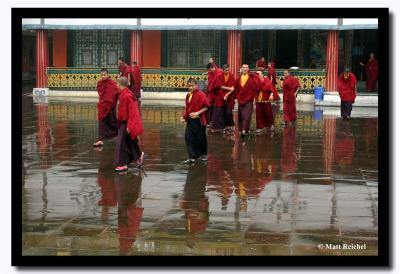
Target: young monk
(264, 116)
(246, 86)
(127, 149)
(260, 64)
(290, 87)
(347, 87)
(229, 98)
(217, 92)
(272, 77)
(135, 79)
(196, 121)
(106, 115)
(123, 68)
(371, 69)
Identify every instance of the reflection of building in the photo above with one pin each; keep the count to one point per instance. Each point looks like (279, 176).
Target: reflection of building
(170, 52)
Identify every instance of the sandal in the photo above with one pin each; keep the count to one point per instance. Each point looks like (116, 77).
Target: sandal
(121, 168)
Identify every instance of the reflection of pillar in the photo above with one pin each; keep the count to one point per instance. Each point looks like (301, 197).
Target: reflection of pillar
(43, 134)
(348, 45)
(332, 60)
(137, 47)
(42, 58)
(329, 143)
(234, 51)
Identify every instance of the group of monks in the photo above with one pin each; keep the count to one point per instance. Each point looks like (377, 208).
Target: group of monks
(127, 124)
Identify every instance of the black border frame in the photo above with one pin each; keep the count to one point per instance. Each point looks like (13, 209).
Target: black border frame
(384, 232)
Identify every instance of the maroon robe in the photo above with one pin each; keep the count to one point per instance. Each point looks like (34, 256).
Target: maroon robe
(198, 101)
(248, 91)
(123, 69)
(261, 64)
(108, 96)
(371, 69)
(214, 83)
(137, 77)
(289, 86)
(264, 116)
(215, 87)
(272, 77)
(230, 102)
(347, 87)
(128, 111)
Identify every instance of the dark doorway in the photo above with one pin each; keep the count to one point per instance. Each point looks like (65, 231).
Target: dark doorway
(286, 48)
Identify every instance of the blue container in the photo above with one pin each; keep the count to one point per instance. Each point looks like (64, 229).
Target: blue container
(318, 114)
(319, 93)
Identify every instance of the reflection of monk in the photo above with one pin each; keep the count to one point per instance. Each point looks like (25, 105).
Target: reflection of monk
(344, 145)
(129, 211)
(288, 155)
(195, 203)
(105, 180)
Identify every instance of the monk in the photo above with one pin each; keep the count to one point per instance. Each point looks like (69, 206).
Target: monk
(214, 83)
(123, 68)
(261, 64)
(246, 86)
(264, 96)
(106, 108)
(290, 87)
(347, 87)
(135, 79)
(229, 98)
(272, 76)
(371, 69)
(195, 117)
(217, 91)
(127, 149)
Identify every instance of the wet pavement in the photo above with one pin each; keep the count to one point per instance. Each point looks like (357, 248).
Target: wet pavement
(305, 190)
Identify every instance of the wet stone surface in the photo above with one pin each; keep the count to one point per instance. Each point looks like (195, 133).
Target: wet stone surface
(300, 191)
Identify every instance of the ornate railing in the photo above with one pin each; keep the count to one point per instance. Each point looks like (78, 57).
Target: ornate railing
(161, 79)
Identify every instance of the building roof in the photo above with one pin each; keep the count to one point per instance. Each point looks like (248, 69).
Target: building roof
(200, 24)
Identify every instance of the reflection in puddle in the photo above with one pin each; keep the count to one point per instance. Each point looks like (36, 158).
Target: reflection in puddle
(280, 193)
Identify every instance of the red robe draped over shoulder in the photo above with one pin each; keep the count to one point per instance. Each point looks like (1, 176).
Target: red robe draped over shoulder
(261, 64)
(230, 82)
(248, 91)
(347, 87)
(198, 101)
(371, 69)
(124, 69)
(289, 86)
(214, 83)
(266, 88)
(128, 111)
(137, 78)
(108, 96)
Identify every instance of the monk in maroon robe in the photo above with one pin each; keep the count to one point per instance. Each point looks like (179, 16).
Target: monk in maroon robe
(123, 68)
(216, 91)
(130, 126)
(371, 69)
(264, 96)
(272, 76)
(246, 87)
(196, 121)
(261, 64)
(229, 98)
(290, 87)
(130, 211)
(136, 79)
(347, 87)
(106, 108)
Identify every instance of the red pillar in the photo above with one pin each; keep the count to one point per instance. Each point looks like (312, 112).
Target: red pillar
(42, 58)
(137, 47)
(332, 60)
(234, 51)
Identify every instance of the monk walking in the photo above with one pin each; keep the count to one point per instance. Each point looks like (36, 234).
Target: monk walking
(106, 107)
(272, 76)
(246, 86)
(371, 69)
(127, 149)
(196, 121)
(264, 96)
(347, 87)
(229, 98)
(290, 86)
